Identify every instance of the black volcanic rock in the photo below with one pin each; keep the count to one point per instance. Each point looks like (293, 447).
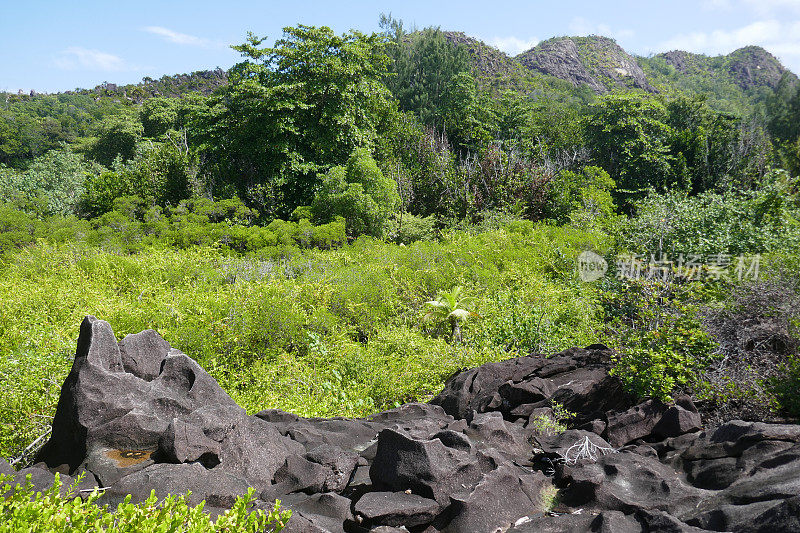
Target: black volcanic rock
(396, 509)
(782, 517)
(426, 467)
(137, 416)
(501, 498)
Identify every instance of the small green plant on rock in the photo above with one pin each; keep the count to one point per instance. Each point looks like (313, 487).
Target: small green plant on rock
(550, 498)
(554, 423)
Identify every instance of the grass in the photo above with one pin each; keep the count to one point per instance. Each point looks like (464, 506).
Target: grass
(318, 333)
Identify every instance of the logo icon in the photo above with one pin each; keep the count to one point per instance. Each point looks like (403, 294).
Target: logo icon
(591, 266)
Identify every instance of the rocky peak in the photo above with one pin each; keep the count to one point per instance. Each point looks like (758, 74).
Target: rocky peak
(486, 60)
(749, 67)
(598, 62)
(752, 66)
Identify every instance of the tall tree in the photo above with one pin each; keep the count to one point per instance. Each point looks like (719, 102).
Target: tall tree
(424, 65)
(292, 111)
(629, 138)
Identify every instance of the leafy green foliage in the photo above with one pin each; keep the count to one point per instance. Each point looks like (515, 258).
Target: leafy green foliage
(711, 223)
(359, 193)
(117, 136)
(159, 115)
(629, 138)
(292, 111)
(450, 307)
(52, 185)
(584, 197)
(425, 71)
(159, 173)
(411, 228)
(22, 509)
(662, 346)
(30, 125)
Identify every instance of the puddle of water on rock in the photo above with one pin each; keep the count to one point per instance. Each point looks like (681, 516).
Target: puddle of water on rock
(125, 458)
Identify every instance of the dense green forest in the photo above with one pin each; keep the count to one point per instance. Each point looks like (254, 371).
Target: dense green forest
(289, 222)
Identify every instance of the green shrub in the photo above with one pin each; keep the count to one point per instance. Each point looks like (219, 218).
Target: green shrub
(411, 228)
(583, 197)
(710, 223)
(53, 184)
(360, 194)
(22, 509)
(661, 343)
(554, 423)
(17, 229)
(787, 387)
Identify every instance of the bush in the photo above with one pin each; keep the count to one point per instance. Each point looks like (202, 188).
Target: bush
(755, 325)
(583, 197)
(360, 194)
(53, 184)
(17, 229)
(787, 387)
(411, 228)
(661, 343)
(710, 224)
(22, 509)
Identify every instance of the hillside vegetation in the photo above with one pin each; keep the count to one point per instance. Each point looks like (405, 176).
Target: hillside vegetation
(340, 222)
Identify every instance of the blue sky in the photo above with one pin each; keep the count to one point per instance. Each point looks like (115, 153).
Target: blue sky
(56, 45)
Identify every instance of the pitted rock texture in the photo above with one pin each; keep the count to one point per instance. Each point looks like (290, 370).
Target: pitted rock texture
(139, 415)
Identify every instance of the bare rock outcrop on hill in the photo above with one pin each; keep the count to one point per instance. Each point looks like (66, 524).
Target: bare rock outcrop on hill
(139, 415)
(598, 62)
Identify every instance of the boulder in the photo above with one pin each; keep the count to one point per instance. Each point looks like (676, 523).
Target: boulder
(426, 467)
(339, 465)
(102, 406)
(503, 497)
(635, 423)
(317, 513)
(396, 509)
(784, 516)
(676, 421)
(217, 488)
(628, 482)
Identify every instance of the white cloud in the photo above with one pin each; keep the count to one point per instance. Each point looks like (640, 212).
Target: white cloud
(724, 41)
(581, 26)
(76, 57)
(181, 38)
(781, 38)
(762, 7)
(513, 45)
(769, 7)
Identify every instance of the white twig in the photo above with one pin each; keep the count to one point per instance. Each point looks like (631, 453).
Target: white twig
(31, 447)
(585, 449)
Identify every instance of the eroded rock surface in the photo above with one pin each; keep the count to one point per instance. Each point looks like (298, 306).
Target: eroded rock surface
(139, 415)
